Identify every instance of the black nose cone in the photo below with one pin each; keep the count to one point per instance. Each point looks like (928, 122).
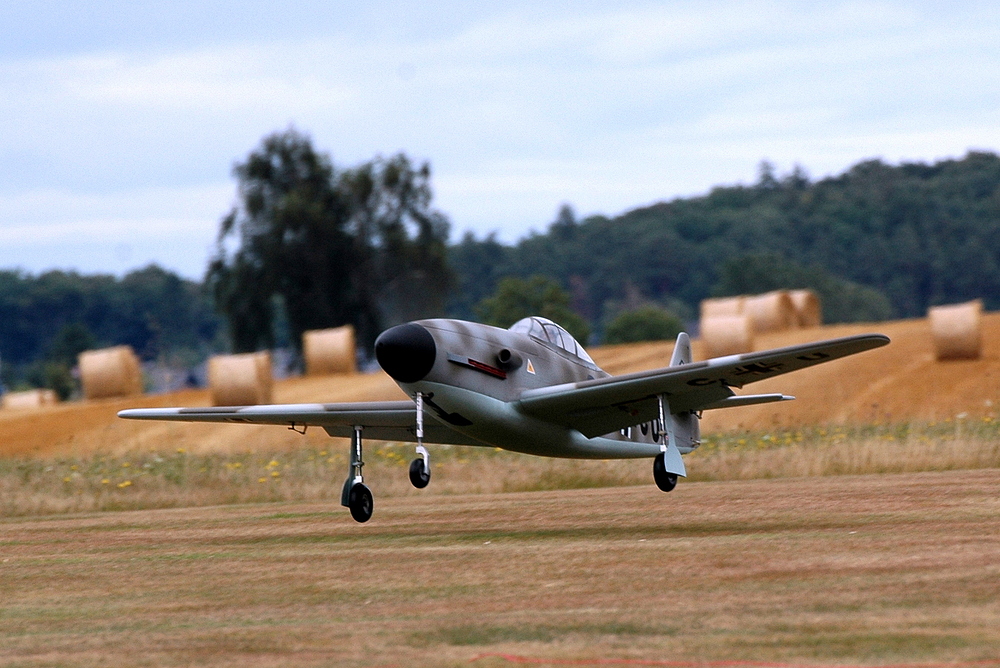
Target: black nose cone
(406, 352)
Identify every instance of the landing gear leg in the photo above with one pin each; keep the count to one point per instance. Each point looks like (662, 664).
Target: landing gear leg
(420, 468)
(668, 464)
(356, 494)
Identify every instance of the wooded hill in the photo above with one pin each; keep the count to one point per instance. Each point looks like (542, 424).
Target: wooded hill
(878, 241)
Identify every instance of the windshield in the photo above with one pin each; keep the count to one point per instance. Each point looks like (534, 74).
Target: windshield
(546, 330)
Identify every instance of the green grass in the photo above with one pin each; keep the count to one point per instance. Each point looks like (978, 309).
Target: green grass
(485, 635)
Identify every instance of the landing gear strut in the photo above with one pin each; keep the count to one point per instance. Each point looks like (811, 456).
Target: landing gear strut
(420, 468)
(356, 494)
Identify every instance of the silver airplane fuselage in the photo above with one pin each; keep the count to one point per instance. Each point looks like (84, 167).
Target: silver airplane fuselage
(472, 375)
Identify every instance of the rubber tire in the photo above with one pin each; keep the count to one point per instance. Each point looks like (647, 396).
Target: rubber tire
(361, 502)
(664, 480)
(418, 476)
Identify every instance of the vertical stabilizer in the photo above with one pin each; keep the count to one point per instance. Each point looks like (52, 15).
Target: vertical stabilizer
(682, 350)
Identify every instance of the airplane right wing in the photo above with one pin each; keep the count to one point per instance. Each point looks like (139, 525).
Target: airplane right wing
(605, 405)
(380, 420)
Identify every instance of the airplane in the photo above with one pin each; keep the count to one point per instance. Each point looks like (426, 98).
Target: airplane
(532, 389)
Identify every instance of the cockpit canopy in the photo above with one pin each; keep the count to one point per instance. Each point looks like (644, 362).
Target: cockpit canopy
(546, 330)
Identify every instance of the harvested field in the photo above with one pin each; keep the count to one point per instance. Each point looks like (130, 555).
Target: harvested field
(847, 570)
(897, 384)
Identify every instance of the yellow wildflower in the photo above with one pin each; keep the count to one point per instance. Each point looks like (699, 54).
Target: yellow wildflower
(123, 485)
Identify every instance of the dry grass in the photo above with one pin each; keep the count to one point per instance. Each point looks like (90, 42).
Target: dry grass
(176, 479)
(845, 570)
(819, 451)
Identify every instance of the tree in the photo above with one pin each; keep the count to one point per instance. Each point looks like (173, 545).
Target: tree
(291, 226)
(361, 246)
(400, 242)
(518, 298)
(646, 323)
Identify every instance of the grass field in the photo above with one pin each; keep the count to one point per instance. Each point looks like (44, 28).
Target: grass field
(841, 570)
(856, 526)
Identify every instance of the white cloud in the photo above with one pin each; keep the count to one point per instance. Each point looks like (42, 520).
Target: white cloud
(175, 227)
(518, 109)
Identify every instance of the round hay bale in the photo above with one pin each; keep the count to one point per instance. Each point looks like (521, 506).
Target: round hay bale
(711, 308)
(329, 351)
(957, 330)
(28, 399)
(240, 380)
(808, 311)
(770, 312)
(110, 372)
(726, 335)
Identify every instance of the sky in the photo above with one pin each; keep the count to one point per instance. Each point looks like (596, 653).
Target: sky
(120, 122)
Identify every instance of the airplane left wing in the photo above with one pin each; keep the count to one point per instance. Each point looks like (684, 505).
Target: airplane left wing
(380, 420)
(605, 405)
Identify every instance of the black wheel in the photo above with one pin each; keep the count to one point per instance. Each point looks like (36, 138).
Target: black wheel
(361, 503)
(664, 480)
(419, 474)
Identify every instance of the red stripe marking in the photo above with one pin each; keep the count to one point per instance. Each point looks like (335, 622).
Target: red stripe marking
(492, 370)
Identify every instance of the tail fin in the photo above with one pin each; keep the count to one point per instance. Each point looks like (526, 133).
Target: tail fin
(682, 350)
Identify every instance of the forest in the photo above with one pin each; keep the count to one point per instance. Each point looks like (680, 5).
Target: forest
(878, 241)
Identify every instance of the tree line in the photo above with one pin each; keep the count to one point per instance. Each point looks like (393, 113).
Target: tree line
(312, 245)
(48, 319)
(877, 241)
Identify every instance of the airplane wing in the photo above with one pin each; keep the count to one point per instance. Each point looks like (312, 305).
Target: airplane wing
(605, 405)
(380, 420)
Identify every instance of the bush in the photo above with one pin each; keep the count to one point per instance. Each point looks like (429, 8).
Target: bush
(647, 323)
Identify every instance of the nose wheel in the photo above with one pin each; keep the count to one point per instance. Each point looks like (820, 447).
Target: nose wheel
(420, 469)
